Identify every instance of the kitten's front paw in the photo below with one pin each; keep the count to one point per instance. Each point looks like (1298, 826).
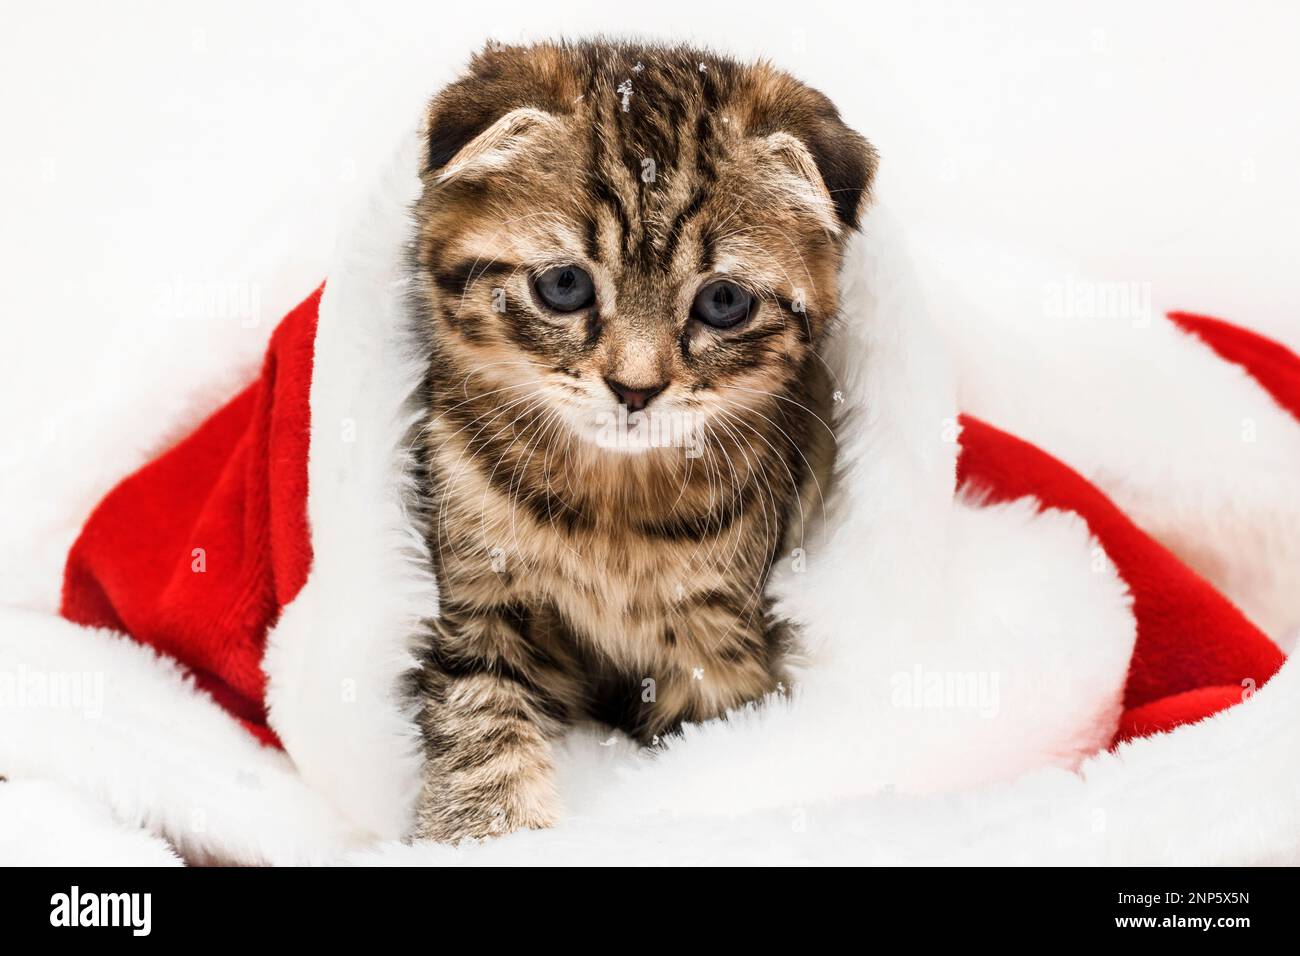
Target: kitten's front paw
(448, 817)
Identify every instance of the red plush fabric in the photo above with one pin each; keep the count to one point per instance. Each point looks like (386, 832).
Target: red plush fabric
(197, 552)
(1178, 709)
(1189, 636)
(1270, 363)
(1196, 654)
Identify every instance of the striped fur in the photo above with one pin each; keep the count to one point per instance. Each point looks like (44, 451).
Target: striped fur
(591, 568)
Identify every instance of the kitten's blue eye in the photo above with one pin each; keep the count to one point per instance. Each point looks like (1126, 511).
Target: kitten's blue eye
(722, 305)
(565, 288)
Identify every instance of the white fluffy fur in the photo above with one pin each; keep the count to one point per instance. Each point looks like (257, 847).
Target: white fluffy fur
(46, 824)
(154, 751)
(336, 658)
(1146, 804)
(1189, 445)
(903, 578)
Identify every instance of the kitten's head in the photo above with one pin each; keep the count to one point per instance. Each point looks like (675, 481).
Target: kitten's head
(607, 228)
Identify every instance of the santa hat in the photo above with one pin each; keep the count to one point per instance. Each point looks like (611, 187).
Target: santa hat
(274, 560)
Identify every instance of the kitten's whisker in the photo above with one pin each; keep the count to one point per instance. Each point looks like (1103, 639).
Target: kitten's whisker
(737, 494)
(469, 443)
(551, 416)
(784, 398)
(432, 422)
(765, 489)
(537, 403)
(794, 484)
(567, 441)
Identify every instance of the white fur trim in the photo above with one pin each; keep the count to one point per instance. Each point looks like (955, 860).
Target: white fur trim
(336, 660)
(1188, 445)
(43, 823)
(1147, 804)
(126, 728)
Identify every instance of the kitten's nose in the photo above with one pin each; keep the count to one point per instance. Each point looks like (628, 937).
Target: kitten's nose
(634, 398)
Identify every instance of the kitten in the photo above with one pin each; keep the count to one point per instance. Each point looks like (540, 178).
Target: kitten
(625, 262)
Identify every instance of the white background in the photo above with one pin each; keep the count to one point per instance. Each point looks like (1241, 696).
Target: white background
(159, 156)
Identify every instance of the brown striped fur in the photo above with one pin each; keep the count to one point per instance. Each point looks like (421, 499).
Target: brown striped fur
(580, 581)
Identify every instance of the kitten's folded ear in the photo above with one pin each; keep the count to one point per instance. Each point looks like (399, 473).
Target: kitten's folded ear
(805, 130)
(504, 99)
(490, 149)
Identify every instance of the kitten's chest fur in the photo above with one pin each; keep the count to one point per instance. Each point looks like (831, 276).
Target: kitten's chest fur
(617, 564)
(633, 577)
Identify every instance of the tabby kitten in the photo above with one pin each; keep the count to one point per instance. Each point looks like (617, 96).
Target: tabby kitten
(625, 261)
